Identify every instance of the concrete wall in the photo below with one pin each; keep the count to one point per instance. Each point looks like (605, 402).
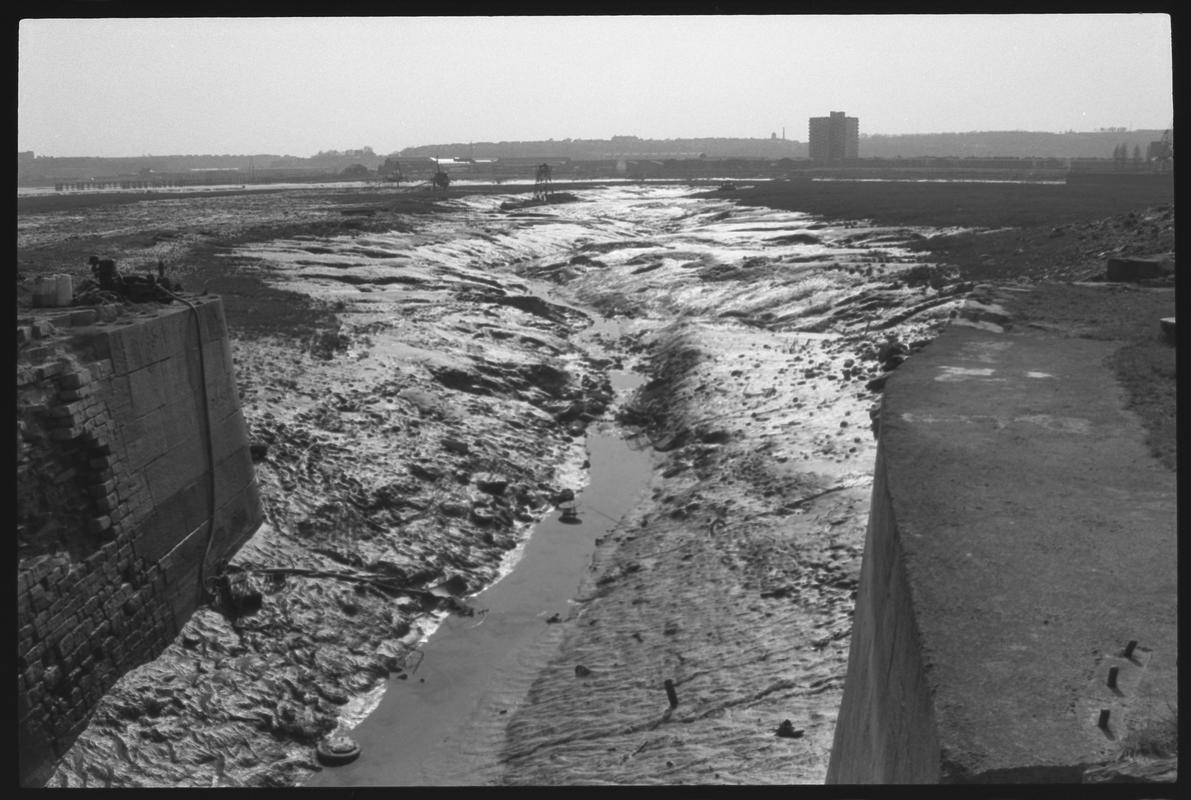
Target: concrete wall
(885, 732)
(1021, 536)
(116, 499)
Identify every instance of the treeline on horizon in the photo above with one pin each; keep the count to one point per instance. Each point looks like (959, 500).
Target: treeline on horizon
(979, 144)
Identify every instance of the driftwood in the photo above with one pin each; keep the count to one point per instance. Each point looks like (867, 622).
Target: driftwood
(385, 582)
(1157, 770)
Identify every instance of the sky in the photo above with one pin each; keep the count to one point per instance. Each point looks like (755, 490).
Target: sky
(299, 85)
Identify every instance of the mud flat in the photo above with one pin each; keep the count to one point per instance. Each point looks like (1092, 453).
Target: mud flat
(475, 668)
(427, 357)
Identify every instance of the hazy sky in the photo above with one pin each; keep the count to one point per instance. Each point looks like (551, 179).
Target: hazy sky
(298, 85)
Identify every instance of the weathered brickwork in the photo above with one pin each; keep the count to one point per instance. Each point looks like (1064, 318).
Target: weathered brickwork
(134, 482)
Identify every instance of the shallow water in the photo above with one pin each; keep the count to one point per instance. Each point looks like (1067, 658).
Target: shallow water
(444, 723)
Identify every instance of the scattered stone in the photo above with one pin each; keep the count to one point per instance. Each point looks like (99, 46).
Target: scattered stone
(877, 384)
(787, 731)
(425, 472)
(452, 509)
(333, 694)
(457, 446)
(451, 587)
(491, 482)
(581, 671)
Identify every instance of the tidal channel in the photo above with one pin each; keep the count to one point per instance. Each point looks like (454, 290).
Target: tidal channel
(444, 723)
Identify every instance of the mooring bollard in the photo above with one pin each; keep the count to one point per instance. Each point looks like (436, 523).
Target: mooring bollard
(671, 694)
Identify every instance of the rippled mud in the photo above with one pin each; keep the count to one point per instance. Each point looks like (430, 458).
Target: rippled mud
(416, 443)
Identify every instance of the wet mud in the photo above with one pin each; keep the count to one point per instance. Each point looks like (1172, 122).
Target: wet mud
(450, 391)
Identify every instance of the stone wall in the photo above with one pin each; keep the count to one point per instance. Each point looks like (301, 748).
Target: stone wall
(134, 483)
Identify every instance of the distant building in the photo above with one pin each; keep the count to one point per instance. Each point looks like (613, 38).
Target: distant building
(834, 138)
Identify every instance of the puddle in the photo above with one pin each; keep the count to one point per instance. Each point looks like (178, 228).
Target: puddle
(444, 724)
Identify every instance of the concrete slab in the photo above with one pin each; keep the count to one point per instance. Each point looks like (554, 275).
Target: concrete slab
(1137, 269)
(1168, 329)
(1038, 536)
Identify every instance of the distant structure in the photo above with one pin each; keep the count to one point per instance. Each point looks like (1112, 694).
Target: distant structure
(834, 138)
(1161, 152)
(541, 183)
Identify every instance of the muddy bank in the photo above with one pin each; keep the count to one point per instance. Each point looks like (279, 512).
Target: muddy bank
(397, 367)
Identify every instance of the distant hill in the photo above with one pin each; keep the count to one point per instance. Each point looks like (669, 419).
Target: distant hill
(983, 144)
(616, 147)
(35, 170)
(1006, 144)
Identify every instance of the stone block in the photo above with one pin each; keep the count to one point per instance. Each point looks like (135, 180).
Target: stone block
(101, 444)
(134, 345)
(237, 519)
(46, 369)
(181, 465)
(211, 319)
(24, 607)
(148, 389)
(174, 323)
(59, 423)
(233, 474)
(100, 369)
(66, 434)
(74, 380)
(118, 395)
(1167, 324)
(230, 434)
(1136, 269)
(144, 440)
(102, 461)
(92, 344)
(98, 490)
(173, 520)
(39, 598)
(72, 411)
(181, 420)
(69, 395)
(52, 291)
(83, 316)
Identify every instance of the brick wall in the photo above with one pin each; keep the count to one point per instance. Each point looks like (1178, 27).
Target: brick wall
(116, 499)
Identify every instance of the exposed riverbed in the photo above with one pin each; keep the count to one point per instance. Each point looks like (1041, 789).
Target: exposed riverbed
(466, 385)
